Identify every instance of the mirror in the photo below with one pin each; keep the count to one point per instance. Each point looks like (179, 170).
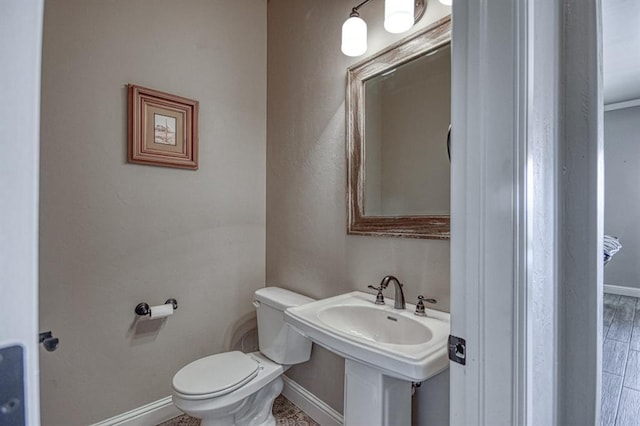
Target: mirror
(398, 117)
(407, 116)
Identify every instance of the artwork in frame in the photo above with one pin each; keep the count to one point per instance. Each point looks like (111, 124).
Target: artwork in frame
(163, 129)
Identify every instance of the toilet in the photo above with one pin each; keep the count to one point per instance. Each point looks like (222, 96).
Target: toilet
(234, 388)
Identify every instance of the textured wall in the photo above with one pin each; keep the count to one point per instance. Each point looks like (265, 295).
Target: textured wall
(114, 234)
(622, 198)
(308, 249)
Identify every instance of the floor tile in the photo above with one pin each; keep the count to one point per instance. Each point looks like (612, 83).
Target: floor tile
(635, 338)
(285, 412)
(611, 388)
(620, 330)
(621, 361)
(611, 299)
(288, 414)
(610, 304)
(183, 420)
(626, 308)
(607, 317)
(622, 323)
(628, 408)
(632, 372)
(614, 357)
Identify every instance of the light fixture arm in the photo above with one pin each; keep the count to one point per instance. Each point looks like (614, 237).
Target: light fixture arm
(354, 11)
(354, 29)
(420, 8)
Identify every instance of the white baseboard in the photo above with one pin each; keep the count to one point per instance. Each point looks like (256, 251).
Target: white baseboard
(622, 291)
(620, 105)
(147, 415)
(315, 408)
(163, 409)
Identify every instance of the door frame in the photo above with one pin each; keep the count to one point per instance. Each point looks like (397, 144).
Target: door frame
(525, 157)
(20, 48)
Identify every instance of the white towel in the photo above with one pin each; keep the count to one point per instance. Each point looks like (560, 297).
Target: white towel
(611, 246)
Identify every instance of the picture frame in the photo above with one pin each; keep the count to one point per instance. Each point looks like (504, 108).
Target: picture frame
(163, 129)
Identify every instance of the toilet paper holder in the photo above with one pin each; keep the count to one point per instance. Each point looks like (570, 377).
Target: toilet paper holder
(144, 309)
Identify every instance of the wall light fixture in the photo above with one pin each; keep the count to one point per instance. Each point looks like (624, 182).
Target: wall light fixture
(399, 16)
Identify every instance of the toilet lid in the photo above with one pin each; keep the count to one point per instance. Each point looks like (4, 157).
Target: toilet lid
(215, 375)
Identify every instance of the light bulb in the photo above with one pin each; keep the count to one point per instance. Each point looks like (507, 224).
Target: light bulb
(446, 2)
(354, 36)
(398, 15)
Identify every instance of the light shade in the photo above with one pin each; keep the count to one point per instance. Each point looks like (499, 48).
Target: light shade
(354, 36)
(446, 2)
(398, 15)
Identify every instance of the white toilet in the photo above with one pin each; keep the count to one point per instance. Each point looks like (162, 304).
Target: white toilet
(233, 388)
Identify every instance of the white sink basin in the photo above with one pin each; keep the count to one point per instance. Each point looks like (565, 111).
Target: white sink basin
(375, 325)
(395, 341)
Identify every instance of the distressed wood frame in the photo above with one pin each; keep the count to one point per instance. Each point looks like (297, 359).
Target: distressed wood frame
(424, 226)
(185, 111)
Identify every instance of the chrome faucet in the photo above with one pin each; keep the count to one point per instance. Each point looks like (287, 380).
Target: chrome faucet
(399, 295)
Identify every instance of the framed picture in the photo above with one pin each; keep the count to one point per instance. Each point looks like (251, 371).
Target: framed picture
(163, 129)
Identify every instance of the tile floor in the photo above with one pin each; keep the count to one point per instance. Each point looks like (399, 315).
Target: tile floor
(285, 412)
(621, 361)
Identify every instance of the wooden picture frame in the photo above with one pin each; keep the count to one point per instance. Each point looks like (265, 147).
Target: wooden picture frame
(163, 129)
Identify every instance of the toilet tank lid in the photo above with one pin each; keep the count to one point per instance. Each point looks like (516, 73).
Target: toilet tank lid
(280, 298)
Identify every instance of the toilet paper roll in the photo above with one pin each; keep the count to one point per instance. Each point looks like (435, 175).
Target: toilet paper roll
(161, 311)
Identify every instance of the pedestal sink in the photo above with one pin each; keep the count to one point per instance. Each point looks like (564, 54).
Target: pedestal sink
(385, 350)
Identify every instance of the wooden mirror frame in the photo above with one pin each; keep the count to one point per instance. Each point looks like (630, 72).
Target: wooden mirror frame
(423, 226)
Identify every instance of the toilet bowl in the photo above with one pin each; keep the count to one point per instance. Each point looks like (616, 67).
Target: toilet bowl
(234, 388)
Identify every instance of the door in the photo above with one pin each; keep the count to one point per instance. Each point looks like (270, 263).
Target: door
(488, 212)
(20, 50)
(526, 239)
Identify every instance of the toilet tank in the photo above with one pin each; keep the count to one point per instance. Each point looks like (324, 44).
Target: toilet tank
(278, 340)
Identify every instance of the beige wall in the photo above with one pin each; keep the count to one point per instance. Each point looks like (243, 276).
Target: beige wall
(307, 246)
(114, 234)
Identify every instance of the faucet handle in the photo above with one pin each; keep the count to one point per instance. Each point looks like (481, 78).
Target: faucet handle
(420, 306)
(379, 296)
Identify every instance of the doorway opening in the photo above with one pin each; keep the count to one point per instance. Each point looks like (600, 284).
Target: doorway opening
(621, 313)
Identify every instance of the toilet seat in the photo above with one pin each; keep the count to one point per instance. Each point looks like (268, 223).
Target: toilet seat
(215, 375)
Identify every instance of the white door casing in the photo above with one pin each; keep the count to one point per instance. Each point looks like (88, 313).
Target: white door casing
(20, 50)
(526, 223)
(488, 193)
(524, 247)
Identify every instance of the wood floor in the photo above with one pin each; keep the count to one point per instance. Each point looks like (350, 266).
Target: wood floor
(621, 361)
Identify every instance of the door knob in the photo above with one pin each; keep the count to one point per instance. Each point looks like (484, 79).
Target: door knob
(49, 342)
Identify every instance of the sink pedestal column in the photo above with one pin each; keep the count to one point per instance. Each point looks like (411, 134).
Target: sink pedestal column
(373, 399)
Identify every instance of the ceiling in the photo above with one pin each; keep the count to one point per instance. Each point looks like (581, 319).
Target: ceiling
(621, 50)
